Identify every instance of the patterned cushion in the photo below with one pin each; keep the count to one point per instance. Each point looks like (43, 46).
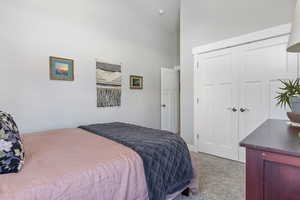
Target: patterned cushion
(11, 148)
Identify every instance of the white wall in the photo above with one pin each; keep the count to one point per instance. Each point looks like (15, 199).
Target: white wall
(203, 22)
(110, 30)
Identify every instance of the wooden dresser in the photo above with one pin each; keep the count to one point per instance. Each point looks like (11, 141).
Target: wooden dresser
(273, 162)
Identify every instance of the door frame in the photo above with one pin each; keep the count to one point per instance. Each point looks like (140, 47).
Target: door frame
(265, 34)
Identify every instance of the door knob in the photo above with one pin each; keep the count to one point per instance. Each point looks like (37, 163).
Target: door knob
(164, 105)
(233, 109)
(244, 109)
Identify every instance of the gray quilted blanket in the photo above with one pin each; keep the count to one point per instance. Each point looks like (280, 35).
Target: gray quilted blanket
(166, 157)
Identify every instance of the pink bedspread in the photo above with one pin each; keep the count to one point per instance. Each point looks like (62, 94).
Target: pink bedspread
(71, 164)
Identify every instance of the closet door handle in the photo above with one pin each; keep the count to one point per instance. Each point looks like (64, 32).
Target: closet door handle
(244, 109)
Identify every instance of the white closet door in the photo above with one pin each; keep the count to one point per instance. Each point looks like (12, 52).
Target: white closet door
(262, 64)
(216, 111)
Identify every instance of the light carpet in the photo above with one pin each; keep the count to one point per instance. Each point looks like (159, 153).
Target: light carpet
(219, 179)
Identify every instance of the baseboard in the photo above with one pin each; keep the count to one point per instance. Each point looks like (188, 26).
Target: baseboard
(192, 148)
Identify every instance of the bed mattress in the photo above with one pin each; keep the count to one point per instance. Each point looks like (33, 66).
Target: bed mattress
(71, 164)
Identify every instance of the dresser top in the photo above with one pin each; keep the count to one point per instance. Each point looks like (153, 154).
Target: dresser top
(274, 136)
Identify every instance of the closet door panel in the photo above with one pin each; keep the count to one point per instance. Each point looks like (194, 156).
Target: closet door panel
(275, 112)
(207, 118)
(224, 117)
(253, 100)
(262, 64)
(217, 96)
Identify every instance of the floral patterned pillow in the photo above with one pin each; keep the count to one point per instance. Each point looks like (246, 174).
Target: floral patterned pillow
(11, 147)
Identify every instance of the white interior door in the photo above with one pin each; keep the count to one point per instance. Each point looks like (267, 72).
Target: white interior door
(170, 100)
(262, 64)
(216, 103)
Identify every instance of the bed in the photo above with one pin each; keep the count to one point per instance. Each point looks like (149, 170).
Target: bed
(74, 164)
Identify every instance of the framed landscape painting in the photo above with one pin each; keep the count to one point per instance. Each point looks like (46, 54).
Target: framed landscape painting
(61, 69)
(136, 82)
(109, 84)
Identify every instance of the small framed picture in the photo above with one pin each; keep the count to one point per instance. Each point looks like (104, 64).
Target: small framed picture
(136, 82)
(61, 69)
